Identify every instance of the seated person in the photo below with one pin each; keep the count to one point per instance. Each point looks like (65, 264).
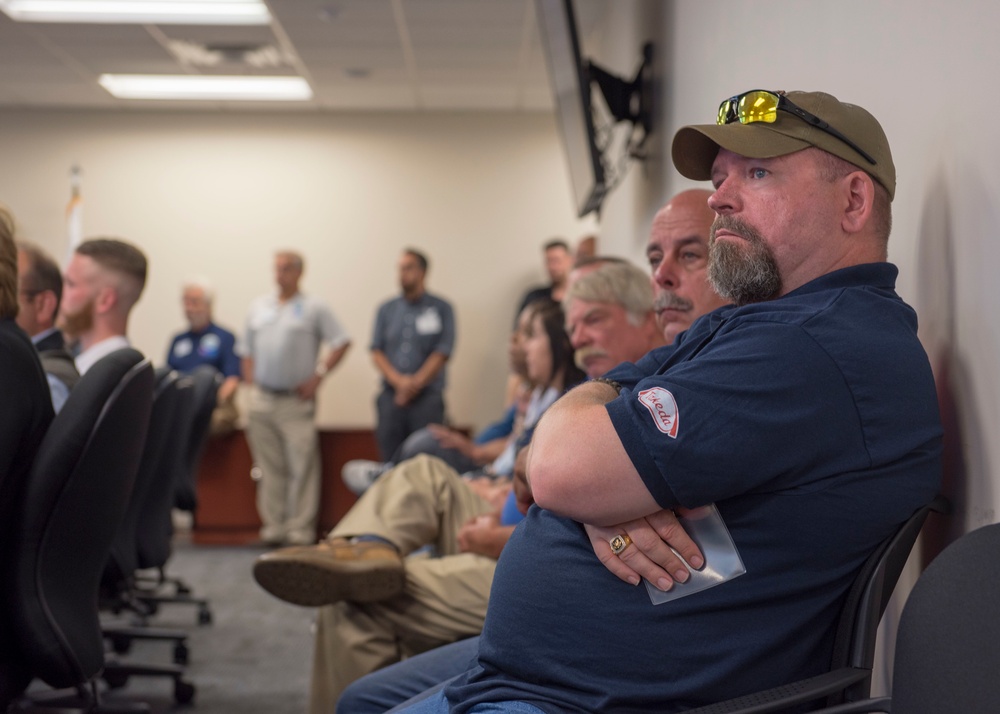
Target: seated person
(382, 608)
(451, 446)
(24, 419)
(203, 343)
(678, 258)
(806, 412)
(38, 298)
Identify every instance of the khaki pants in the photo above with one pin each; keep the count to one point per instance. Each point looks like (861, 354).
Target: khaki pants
(284, 444)
(421, 502)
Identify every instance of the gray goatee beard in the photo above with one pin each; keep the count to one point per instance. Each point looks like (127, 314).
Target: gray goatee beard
(742, 274)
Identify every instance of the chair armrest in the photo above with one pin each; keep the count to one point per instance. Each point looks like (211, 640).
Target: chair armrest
(882, 704)
(787, 695)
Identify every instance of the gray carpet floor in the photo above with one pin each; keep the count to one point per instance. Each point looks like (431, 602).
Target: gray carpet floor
(255, 656)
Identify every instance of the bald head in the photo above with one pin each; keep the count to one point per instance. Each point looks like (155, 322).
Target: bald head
(678, 257)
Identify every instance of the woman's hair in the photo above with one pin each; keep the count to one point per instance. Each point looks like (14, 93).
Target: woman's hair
(554, 323)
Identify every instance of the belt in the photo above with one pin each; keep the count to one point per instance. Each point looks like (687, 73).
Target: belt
(278, 392)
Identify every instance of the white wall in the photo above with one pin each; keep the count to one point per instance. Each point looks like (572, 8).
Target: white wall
(927, 70)
(218, 194)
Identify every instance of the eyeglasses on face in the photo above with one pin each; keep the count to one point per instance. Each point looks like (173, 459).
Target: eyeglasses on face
(763, 105)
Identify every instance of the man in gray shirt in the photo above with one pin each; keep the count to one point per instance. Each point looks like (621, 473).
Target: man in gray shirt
(284, 334)
(413, 339)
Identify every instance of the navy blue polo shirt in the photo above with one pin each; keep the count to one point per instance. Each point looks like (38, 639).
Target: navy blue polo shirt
(213, 345)
(811, 421)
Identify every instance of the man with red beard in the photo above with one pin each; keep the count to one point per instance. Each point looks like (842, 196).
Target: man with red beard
(101, 284)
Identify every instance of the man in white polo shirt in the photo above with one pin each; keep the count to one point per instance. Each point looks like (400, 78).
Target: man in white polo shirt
(284, 334)
(101, 284)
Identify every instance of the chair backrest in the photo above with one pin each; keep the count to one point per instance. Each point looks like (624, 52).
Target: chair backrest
(123, 558)
(867, 599)
(154, 528)
(71, 508)
(206, 382)
(948, 642)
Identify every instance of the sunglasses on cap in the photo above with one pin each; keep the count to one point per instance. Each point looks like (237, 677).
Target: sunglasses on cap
(762, 105)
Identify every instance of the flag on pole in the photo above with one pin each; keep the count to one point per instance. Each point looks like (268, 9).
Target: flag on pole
(74, 211)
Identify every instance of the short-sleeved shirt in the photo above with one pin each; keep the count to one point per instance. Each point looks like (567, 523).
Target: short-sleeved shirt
(410, 332)
(284, 339)
(213, 346)
(811, 421)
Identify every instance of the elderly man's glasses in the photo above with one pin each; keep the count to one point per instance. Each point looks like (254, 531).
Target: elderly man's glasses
(762, 105)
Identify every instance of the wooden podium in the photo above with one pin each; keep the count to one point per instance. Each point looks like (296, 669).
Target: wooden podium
(227, 495)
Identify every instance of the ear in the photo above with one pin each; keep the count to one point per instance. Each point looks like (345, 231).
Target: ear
(107, 298)
(46, 306)
(859, 194)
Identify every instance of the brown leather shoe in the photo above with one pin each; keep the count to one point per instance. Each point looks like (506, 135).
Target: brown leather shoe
(314, 575)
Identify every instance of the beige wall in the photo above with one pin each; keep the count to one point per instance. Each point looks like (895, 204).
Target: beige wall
(218, 194)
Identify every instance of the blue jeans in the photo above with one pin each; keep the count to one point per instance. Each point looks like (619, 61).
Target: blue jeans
(407, 682)
(437, 704)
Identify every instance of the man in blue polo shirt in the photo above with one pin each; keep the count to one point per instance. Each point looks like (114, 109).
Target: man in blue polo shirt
(805, 411)
(204, 342)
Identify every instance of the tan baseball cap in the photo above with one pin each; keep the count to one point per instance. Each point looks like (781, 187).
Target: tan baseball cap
(695, 147)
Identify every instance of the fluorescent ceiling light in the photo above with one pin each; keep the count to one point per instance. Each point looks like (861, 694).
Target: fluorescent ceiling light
(209, 88)
(155, 12)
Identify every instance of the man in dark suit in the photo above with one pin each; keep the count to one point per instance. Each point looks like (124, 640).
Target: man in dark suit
(38, 295)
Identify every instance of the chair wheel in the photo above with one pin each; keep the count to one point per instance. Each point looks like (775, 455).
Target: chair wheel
(204, 616)
(115, 680)
(183, 692)
(180, 653)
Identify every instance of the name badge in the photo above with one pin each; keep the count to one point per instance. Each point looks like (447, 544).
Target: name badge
(182, 348)
(428, 322)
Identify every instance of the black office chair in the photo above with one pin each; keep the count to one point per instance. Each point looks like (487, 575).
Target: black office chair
(118, 586)
(70, 511)
(849, 677)
(206, 382)
(154, 537)
(948, 641)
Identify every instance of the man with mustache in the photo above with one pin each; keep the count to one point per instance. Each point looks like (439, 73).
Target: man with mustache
(101, 284)
(614, 314)
(805, 412)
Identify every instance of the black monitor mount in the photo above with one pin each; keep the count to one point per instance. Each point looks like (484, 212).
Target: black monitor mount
(628, 100)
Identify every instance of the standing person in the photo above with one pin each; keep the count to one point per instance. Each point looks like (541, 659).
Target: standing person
(558, 264)
(38, 295)
(413, 339)
(102, 283)
(205, 343)
(280, 349)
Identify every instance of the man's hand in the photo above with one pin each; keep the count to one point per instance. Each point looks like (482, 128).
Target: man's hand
(484, 535)
(406, 389)
(522, 489)
(492, 490)
(307, 390)
(451, 439)
(649, 556)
